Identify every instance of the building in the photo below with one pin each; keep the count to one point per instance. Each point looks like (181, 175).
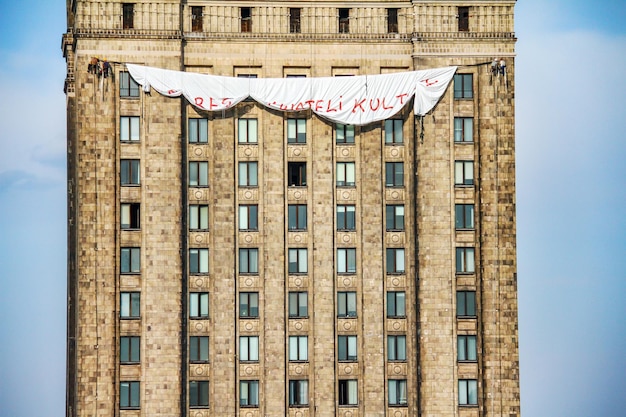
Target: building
(252, 262)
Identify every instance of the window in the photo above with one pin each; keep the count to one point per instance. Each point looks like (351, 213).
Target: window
(198, 174)
(248, 304)
(296, 216)
(249, 261)
(130, 260)
(397, 392)
(130, 215)
(396, 304)
(463, 172)
(345, 174)
(395, 217)
(249, 217)
(346, 304)
(346, 348)
(129, 128)
(129, 394)
(296, 130)
(465, 260)
(129, 305)
(344, 133)
(298, 348)
(129, 172)
(463, 129)
(346, 261)
(246, 19)
(294, 20)
(249, 348)
(348, 392)
(396, 348)
(129, 349)
(346, 217)
(393, 131)
(128, 86)
(468, 392)
(199, 261)
(466, 303)
(249, 393)
(298, 392)
(394, 174)
(344, 20)
(463, 86)
(248, 174)
(296, 174)
(128, 13)
(199, 305)
(298, 261)
(298, 304)
(463, 16)
(198, 130)
(199, 349)
(196, 18)
(198, 393)
(464, 216)
(198, 217)
(395, 261)
(247, 131)
(466, 348)
(392, 20)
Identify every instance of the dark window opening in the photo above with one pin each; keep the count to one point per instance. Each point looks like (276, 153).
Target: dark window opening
(463, 16)
(196, 18)
(344, 20)
(128, 12)
(297, 174)
(392, 20)
(130, 215)
(294, 20)
(246, 19)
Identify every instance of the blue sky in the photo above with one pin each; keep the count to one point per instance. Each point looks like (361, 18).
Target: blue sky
(571, 154)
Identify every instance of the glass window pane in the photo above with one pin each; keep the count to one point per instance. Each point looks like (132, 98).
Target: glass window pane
(134, 128)
(468, 125)
(472, 392)
(463, 392)
(397, 131)
(471, 348)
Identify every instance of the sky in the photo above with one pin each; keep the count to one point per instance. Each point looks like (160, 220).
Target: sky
(571, 153)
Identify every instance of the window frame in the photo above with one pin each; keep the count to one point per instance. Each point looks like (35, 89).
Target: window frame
(250, 169)
(294, 20)
(463, 173)
(392, 20)
(248, 261)
(463, 130)
(248, 130)
(397, 386)
(252, 393)
(130, 305)
(130, 350)
(295, 304)
(346, 217)
(249, 214)
(345, 170)
(464, 217)
(247, 307)
(130, 260)
(393, 302)
(130, 171)
(396, 352)
(394, 132)
(130, 129)
(130, 397)
(296, 131)
(346, 388)
(343, 20)
(298, 392)
(467, 387)
(197, 13)
(344, 134)
(251, 345)
(466, 304)
(198, 261)
(394, 222)
(347, 348)
(297, 217)
(245, 14)
(198, 217)
(128, 15)
(345, 300)
(301, 265)
(128, 87)
(130, 216)
(465, 260)
(346, 261)
(463, 16)
(393, 268)
(199, 305)
(296, 174)
(460, 88)
(394, 178)
(198, 128)
(201, 391)
(198, 175)
(298, 345)
(199, 349)
(467, 348)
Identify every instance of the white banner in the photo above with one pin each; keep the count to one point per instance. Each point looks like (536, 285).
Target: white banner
(355, 100)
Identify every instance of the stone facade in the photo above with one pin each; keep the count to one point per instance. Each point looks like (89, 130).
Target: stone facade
(458, 361)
